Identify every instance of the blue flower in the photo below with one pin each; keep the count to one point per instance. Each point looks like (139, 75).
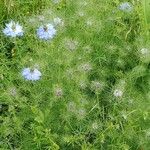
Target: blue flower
(46, 32)
(13, 29)
(31, 74)
(126, 7)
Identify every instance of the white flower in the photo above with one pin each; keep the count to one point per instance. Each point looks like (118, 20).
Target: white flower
(81, 14)
(71, 44)
(96, 86)
(58, 21)
(46, 32)
(144, 51)
(126, 7)
(13, 29)
(31, 74)
(89, 22)
(95, 125)
(85, 67)
(118, 93)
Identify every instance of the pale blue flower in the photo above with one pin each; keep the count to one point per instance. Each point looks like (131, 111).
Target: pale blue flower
(46, 32)
(13, 29)
(31, 74)
(126, 7)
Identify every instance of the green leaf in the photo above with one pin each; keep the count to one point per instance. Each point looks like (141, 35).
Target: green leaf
(40, 117)
(146, 4)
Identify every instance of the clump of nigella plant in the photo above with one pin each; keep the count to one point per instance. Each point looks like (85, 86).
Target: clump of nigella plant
(46, 32)
(13, 29)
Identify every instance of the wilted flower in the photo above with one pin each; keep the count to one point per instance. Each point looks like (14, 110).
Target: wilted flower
(58, 92)
(71, 44)
(95, 125)
(144, 51)
(13, 91)
(126, 7)
(13, 29)
(41, 18)
(87, 49)
(31, 74)
(83, 102)
(96, 86)
(81, 113)
(85, 67)
(58, 21)
(82, 84)
(69, 73)
(71, 106)
(89, 22)
(46, 32)
(81, 14)
(118, 93)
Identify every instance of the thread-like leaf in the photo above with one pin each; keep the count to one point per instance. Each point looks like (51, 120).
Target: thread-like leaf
(146, 6)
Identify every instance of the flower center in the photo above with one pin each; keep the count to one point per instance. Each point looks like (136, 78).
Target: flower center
(45, 28)
(13, 27)
(31, 70)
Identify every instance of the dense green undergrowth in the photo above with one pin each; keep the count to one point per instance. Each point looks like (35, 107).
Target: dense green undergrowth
(94, 92)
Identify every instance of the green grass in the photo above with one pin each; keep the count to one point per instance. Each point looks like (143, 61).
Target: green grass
(85, 117)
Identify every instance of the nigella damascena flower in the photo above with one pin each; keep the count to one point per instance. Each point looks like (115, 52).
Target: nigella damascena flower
(96, 86)
(126, 7)
(86, 67)
(94, 125)
(118, 93)
(71, 106)
(144, 51)
(46, 32)
(71, 44)
(13, 29)
(58, 21)
(31, 74)
(81, 113)
(58, 92)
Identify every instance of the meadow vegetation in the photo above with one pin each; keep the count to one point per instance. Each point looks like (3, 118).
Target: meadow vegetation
(85, 86)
